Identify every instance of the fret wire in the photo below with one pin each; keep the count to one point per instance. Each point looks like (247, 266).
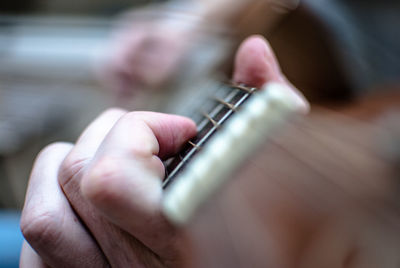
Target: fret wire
(216, 110)
(227, 104)
(194, 145)
(244, 88)
(215, 123)
(208, 134)
(190, 154)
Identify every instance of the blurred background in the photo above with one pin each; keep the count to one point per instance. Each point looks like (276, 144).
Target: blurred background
(333, 50)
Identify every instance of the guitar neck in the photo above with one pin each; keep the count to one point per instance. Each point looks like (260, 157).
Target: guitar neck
(217, 111)
(229, 133)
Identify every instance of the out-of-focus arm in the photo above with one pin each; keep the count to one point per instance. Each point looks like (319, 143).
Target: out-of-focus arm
(244, 17)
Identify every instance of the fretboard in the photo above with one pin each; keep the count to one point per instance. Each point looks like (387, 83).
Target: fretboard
(216, 112)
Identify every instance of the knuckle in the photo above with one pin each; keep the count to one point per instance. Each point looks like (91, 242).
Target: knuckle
(132, 116)
(99, 182)
(114, 111)
(70, 167)
(40, 229)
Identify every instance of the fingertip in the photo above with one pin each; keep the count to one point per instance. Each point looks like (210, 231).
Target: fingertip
(255, 63)
(171, 131)
(181, 129)
(188, 126)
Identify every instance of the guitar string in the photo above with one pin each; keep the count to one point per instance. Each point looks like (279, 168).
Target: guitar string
(194, 145)
(205, 137)
(183, 159)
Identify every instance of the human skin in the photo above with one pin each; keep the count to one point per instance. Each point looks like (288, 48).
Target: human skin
(151, 47)
(97, 203)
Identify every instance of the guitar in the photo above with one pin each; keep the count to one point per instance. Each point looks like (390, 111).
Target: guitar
(297, 191)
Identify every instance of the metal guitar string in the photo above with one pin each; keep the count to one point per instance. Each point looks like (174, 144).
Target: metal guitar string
(208, 126)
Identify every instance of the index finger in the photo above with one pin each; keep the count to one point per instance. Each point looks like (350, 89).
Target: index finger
(124, 181)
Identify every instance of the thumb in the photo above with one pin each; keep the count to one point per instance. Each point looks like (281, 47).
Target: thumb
(256, 64)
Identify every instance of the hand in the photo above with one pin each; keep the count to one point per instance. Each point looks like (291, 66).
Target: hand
(152, 46)
(96, 203)
(147, 53)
